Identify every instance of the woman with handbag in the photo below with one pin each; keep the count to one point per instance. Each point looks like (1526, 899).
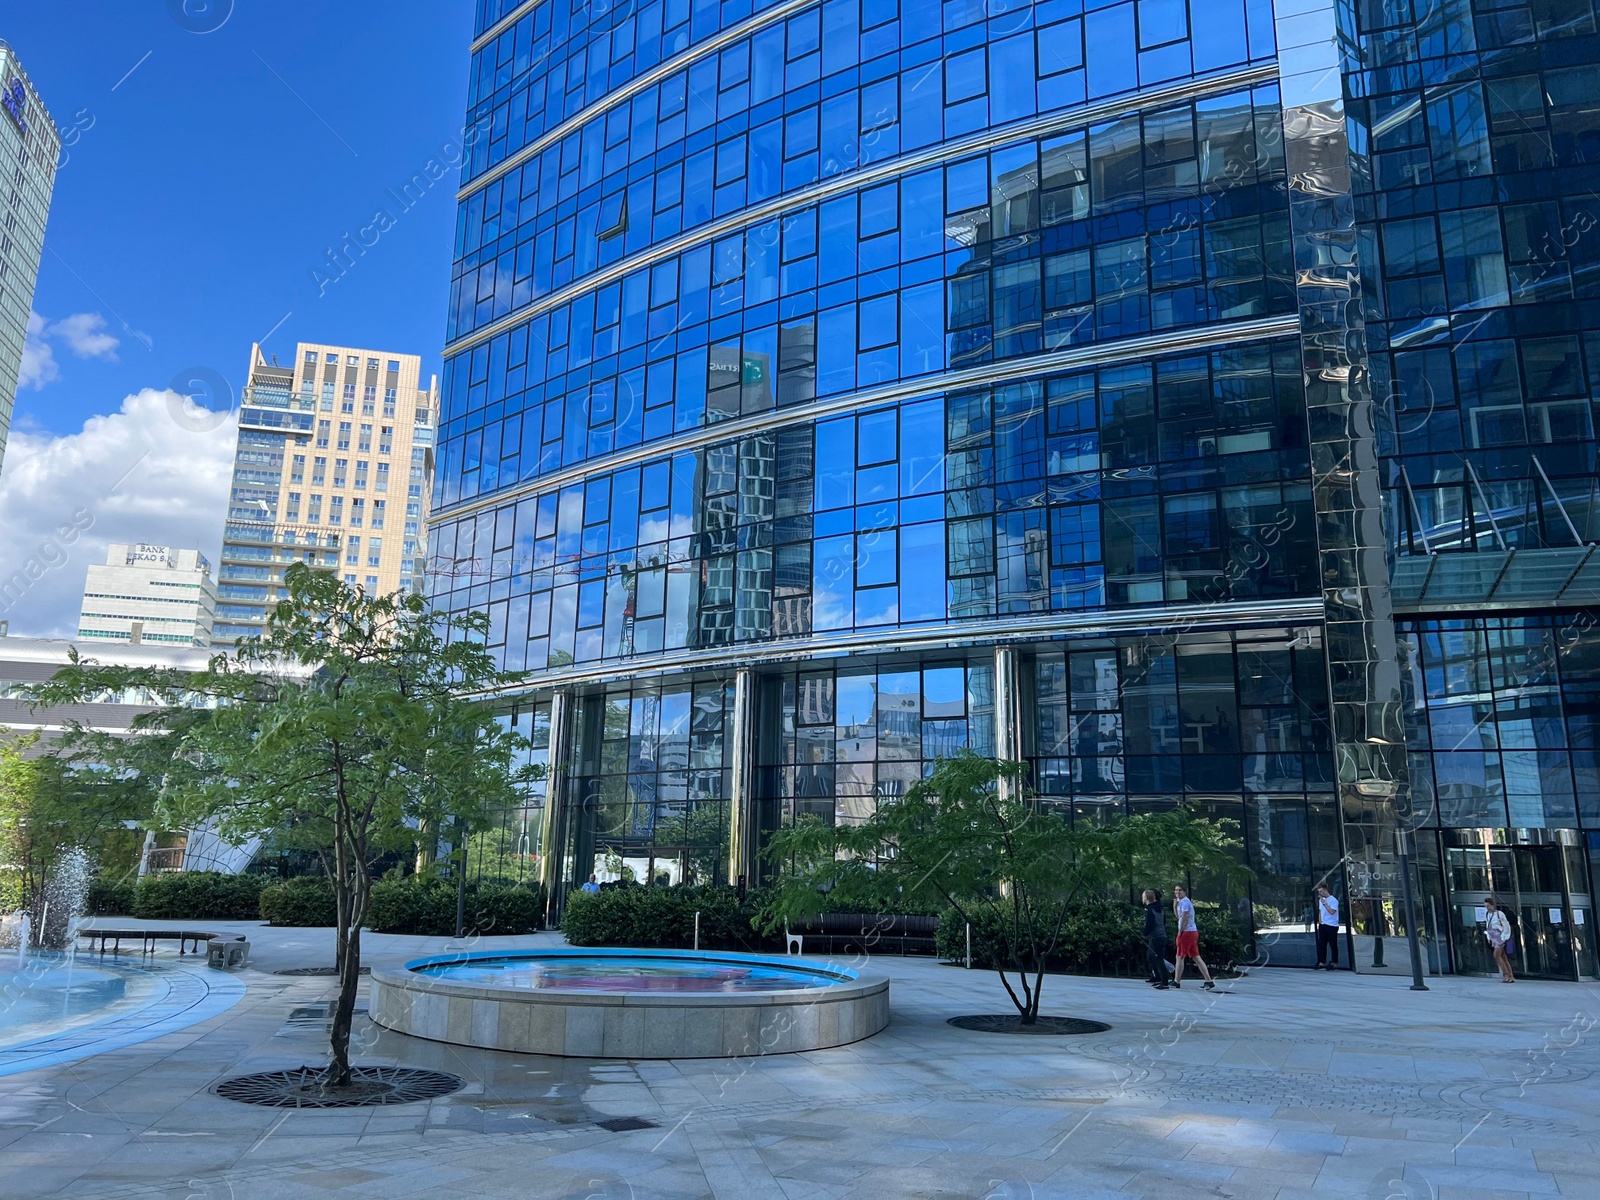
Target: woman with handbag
(1497, 928)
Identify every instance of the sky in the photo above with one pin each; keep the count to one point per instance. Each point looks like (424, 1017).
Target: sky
(214, 151)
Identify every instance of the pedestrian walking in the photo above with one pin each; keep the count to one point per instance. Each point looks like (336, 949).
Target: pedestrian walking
(1327, 929)
(1188, 938)
(1155, 940)
(1497, 928)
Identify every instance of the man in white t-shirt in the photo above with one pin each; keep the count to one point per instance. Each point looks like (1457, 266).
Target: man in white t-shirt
(1327, 929)
(1188, 938)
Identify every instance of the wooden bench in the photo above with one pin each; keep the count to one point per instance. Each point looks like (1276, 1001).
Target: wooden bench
(148, 938)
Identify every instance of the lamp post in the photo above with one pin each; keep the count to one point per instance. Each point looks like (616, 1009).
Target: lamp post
(1403, 842)
(461, 881)
(1377, 790)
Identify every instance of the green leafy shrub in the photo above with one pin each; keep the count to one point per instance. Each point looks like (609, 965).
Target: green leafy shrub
(663, 918)
(505, 910)
(1099, 937)
(306, 900)
(198, 896)
(111, 898)
(427, 906)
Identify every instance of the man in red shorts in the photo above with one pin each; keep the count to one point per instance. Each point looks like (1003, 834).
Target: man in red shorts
(1188, 938)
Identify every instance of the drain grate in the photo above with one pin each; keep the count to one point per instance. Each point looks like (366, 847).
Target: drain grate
(626, 1124)
(320, 971)
(315, 1016)
(1010, 1023)
(369, 1086)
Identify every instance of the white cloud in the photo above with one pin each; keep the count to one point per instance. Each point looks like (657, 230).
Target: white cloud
(85, 335)
(158, 470)
(82, 333)
(38, 359)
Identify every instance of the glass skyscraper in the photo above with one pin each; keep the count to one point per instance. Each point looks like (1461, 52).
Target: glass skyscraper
(29, 149)
(831, 386)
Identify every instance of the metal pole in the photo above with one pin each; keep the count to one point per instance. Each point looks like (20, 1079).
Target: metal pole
(697, 931)
(1404, 838)
(461, 881)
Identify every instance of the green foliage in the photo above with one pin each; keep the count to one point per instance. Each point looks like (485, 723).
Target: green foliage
(48, 806)
(350, 723)
(111, 897)
(663, 918)
(1098, 937)
(425, 905)
(505, 911)
(416, 904)
(969, 838)
(197, 896)
(306, 900)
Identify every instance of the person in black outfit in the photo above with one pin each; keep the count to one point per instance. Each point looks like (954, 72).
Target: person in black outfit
(1155, 941)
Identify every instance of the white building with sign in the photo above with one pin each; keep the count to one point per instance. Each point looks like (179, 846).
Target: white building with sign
(30, 147)
(149, 594)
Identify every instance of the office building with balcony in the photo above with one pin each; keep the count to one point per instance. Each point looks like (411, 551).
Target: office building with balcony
(335, 453)
(148, 593)
(1192, 400)
(29, 149)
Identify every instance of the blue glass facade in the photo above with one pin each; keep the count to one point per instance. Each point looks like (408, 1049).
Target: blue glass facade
(833, 385)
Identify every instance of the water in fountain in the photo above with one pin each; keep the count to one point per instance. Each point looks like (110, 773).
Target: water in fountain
(66, 897)
(15, 931)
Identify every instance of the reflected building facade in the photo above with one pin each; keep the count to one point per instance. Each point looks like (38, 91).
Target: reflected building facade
(832, 386)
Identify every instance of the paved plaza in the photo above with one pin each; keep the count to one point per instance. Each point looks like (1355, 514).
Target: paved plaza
(1285, 1084)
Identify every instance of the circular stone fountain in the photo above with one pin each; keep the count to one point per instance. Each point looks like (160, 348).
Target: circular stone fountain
(629, 1003)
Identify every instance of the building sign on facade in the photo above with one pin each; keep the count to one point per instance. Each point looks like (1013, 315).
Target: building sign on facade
(143, 553)
(14, 99)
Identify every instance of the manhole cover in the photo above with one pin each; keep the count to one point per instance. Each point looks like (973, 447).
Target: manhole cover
(625, 1124)
(1011, 1023)
(303, 1087)
(330, 971)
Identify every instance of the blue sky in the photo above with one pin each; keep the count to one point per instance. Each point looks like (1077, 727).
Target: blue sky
(208, 173)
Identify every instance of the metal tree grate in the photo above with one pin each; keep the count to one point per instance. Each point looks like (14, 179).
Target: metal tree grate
(319, 971)
(303, 1087)
(626, 1124)
(1011, 1023)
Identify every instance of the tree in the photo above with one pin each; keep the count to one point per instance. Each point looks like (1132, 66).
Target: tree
(352, 720)
(968, 837)
(47, 809)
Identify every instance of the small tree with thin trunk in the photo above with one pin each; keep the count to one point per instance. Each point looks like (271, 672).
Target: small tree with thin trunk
(969, 838)
(350, 719)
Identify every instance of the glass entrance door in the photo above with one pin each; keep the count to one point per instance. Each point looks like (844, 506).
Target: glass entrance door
(1530, 883)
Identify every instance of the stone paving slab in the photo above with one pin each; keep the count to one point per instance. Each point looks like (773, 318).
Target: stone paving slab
(1293, 1085)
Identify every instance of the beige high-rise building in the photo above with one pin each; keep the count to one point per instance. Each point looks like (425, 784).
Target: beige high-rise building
(332, 469)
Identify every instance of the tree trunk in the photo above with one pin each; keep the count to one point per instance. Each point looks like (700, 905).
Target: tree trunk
(349, 886)
(349, 937)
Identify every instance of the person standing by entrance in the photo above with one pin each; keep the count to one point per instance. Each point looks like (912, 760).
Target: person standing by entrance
(1188, 937)
(1155, 941)
(1497, 928)
(1327, 929)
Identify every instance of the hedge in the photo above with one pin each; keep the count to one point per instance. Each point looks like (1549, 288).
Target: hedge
(198, 896)
(305, 900)
(663, 918)
(1099, 937)
(111, 898)
(427, 906)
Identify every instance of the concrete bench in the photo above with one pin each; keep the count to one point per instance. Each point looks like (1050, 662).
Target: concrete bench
(225, 953)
